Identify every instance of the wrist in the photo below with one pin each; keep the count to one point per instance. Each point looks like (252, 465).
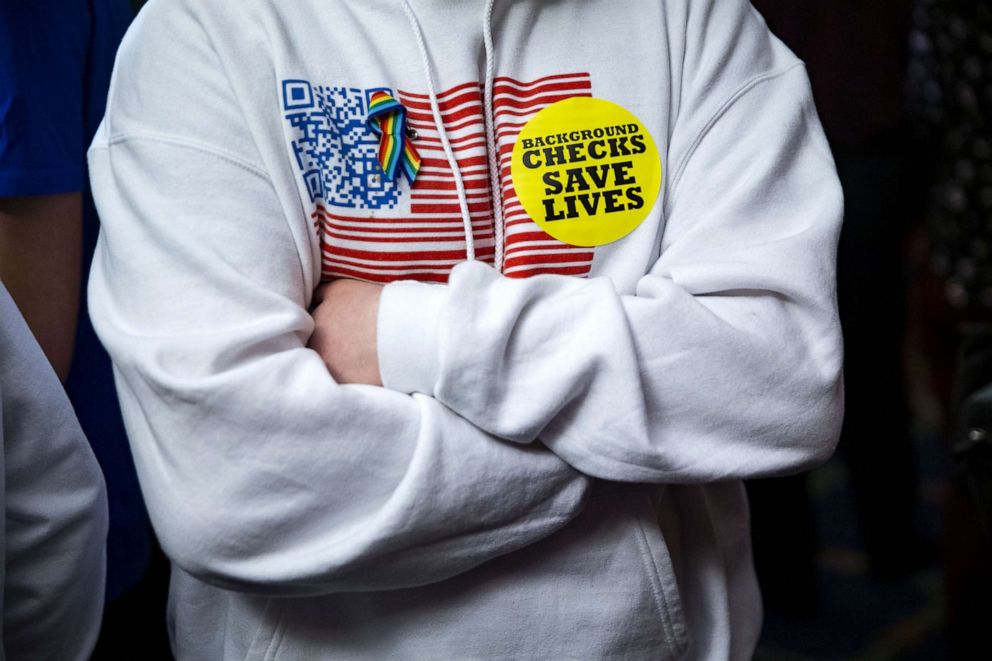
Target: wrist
(407, 335)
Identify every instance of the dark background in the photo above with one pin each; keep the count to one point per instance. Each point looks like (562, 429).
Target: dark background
(883, 553)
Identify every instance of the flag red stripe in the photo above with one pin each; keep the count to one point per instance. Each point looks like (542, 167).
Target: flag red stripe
(423, 266)
(445, 105)
(336, 271)
(428, 232)
(583, 85)
(531, 83)
(462, 162)
(424, 126)
(443, 95)
(545, 258)
(404, 239)
(409, 219)
(580, 270)
(405, 256)
(452, 116)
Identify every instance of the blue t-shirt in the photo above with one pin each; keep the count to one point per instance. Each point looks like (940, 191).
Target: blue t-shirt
(56, 58)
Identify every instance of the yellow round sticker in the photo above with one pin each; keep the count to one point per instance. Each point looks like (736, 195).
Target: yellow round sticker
(586, 170)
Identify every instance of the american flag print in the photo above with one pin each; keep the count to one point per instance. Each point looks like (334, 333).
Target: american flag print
(421, 236)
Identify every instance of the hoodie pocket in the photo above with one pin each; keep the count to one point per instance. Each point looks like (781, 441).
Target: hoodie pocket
(661, 572)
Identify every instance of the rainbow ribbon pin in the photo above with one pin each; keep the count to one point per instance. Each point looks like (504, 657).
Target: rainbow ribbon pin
(387, 119)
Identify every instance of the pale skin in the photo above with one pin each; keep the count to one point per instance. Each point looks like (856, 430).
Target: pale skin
(344, 315)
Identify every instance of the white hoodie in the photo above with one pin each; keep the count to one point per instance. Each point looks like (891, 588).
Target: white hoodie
(53, 509)
(564, 480)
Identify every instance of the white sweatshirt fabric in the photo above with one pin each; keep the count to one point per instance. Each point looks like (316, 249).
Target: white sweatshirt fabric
(53, 519)
(553, 468)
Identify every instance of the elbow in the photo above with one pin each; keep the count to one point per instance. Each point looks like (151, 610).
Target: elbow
(212, 557)
(822, 432)
(815, 391)
(816, 419)
(192, 546)
(212, 549)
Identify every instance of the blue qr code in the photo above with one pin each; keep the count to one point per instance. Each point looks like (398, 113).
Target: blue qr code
(335, 150)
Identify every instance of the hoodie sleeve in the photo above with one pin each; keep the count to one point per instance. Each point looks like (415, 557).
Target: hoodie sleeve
(54, 515)
(260, 472)
(725, 362)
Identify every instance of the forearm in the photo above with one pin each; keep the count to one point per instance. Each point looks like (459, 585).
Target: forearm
(724, 362)
(261, 472)
(40, 254)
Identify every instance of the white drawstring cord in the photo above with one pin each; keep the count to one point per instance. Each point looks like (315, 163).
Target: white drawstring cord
(495, 175)
(439, 123)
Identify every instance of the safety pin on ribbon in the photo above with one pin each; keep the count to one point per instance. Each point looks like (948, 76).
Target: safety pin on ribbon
(387, 119)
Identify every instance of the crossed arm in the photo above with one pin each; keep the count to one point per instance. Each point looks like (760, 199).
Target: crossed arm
(724, 362)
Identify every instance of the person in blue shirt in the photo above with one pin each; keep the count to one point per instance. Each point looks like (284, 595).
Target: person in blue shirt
(56, 58)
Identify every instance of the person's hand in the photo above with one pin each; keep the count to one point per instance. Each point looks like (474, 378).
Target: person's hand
(344, 334)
